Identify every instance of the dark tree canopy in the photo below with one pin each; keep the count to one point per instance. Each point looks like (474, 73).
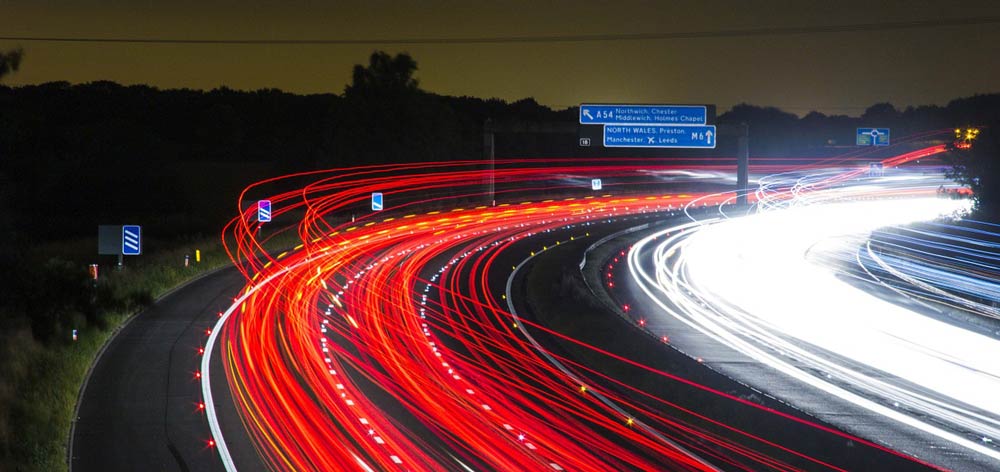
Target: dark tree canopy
(880, 113)
(384, 74)
(69, 150)
(10, 61)
(979, 168)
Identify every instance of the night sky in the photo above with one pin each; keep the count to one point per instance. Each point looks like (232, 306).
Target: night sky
(831, 72)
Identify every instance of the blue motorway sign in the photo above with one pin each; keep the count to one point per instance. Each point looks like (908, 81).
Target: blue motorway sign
(872, 137)
(264, 211)
(131, 240)
(659, 136)
(876, 169)
(376, 201)
(643, 114)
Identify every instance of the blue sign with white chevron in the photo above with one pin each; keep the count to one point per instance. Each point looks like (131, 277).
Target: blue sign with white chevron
(377, 201)
(131, 240)
(264, 211)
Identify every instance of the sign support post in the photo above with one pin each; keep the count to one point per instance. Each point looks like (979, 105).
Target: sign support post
(131, 243)
(743, 165)
(489, 140)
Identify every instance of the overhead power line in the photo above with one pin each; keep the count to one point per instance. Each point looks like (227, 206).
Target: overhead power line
(726, 33)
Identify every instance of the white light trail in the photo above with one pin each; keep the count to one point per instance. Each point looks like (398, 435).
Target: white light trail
(759, 285)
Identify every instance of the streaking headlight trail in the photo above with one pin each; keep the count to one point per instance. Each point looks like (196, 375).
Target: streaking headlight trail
(775, 286)
(386, 340)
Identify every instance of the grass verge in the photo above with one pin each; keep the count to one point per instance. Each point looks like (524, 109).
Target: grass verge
(40, 382)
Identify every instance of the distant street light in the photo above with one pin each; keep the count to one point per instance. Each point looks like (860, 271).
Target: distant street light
(965, 136)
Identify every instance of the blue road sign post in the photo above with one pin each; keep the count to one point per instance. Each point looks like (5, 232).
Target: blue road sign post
(876, 169)
(377, 201)
(596, 184)
(643, 114)
(264, 211)
(660, 136)
(872, 137)
(131, 240)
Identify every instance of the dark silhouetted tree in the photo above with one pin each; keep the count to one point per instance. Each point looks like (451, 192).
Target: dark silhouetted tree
(880, 114)
(772, 131)
(10, 61)
(387, 118)
(979, 168)
(384, 74)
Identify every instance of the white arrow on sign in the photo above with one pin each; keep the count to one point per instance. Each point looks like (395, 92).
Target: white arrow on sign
(709, 135)
(586, 113)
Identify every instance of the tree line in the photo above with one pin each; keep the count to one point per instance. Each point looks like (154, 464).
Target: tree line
(86, 154)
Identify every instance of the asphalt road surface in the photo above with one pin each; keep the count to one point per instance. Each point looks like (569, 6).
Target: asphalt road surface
(139, 410)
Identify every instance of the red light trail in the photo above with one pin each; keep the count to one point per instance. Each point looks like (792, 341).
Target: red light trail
(407, 301)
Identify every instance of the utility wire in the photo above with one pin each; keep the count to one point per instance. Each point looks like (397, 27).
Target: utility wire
(727, 33)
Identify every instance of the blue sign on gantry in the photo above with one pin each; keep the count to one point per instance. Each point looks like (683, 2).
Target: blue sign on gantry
(658, 136)
(131, 240)
(643, 114)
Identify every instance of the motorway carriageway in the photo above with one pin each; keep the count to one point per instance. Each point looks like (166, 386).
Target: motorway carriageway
(769, 293)
(375, 299)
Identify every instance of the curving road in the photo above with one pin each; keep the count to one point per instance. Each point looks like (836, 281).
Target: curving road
(765, 297)
(387, 342)
(140, 407)
(420, 337)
